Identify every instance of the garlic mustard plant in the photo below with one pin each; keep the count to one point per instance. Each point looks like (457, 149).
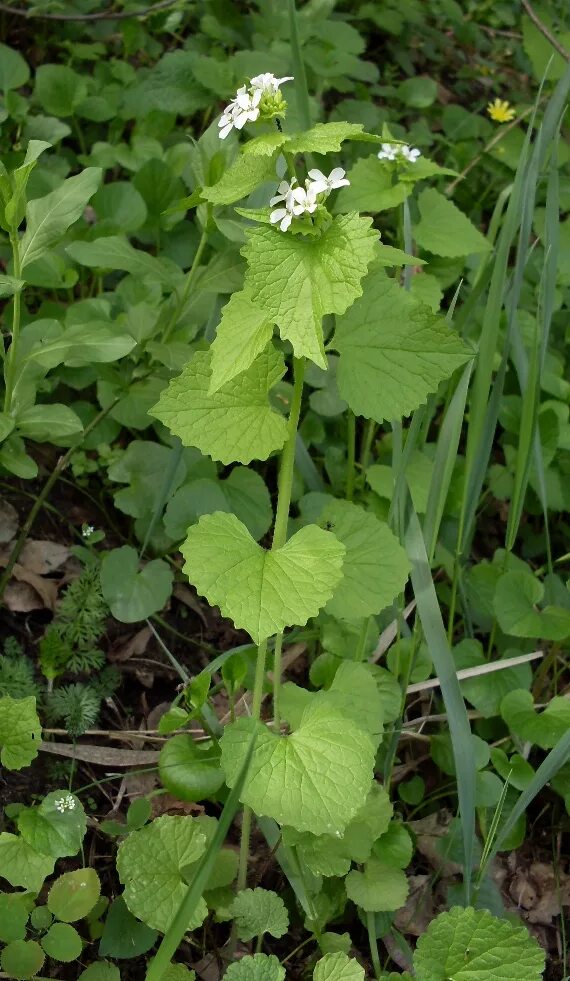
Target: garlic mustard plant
(261, 99)
(392, 151)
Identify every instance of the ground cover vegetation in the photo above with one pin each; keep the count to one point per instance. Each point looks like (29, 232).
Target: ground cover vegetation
(284, 474)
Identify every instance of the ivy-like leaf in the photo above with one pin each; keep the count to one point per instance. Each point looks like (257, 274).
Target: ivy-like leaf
(242, 334)
(234, 423)
(20, 732)
(259, 911)
(313, 780)
(379, 888)
(239, 180)
(20, 865)
(57, 827)
(444, 229)
(338, 967)
(545, 728)
(262, 591)
(375, 565)
(393, 351)
(297, 280)
(474, 945)
(256, 967)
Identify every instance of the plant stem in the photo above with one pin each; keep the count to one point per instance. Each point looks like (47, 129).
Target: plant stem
(12, 355)
(288, 458)
(367, 440)
(350, 456)
(373, 943)
(277, 683)
(299, 69)
(247, 812)
(190, 279)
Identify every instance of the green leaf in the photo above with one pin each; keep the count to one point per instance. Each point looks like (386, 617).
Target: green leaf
(62, 942)
(59, 89)
(418, 92)
(190, 770)
(154, 865)
(116, 252)
(9, 285)
(473, 945)
(134, 595)
(20, 865)
(259, 911)
(100, 971)
(236, 422)
(120, 207)
(395, 847)
(516, 770)
(14, 71)
(375, 567)
(544, 728)
(242, 334)
(329, 137)
(74, 895)
(20, 732)
(142, 466)
(274, 589)
(338, 967)
(22, 959)
(256, 967)
(48, 423)
(379, 888)
(393, 351)
(371, 188)
(48, 218)
(444, 230)
(83, 344)
(14, 912)
(240, 179)
(516, 596)
(298, 280)
(314, 780)
(57, 827)
(124, 936)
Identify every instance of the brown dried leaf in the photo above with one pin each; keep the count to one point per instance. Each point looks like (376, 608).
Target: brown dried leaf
(186, 596)
(19, 597)
(42, 557)
(103, 755)
(415, 917)
(9, 521)
(24, 600)
(134, 645)
(167, 804)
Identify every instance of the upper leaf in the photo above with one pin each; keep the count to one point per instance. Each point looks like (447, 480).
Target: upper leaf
(338, 967)
(49, 217)
(256, 967)
(444, 229)
(379, 888)
(259, 911)
(298, 280)
(20, 732)
(393, 351)
(242, 334)
(240, 179)
(328, 137)
(371, 188)
(473, 945)
(234, 423)
(262, 591)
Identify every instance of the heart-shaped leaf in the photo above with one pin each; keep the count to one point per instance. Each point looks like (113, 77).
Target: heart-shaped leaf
(544, 729)
(134, 595)
(516, 596)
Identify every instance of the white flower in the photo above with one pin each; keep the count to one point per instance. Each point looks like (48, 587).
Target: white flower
(410, 153)
(87, 531)
(59, 804)
(319, 183)
(268, 83)
(388, 152)
(244, 108)
(70, 802)
(298, 201)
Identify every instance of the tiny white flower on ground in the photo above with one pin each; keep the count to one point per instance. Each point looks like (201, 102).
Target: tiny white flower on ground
(268, 83)
(87, 531)
(387, 152)
(320, 183)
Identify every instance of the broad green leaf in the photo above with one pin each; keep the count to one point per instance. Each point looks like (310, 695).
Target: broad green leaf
(544, 728)
(100, 971)
(371, 188)
(395, 846)
(259, 911)
(256, 967)
(329, 137)
(59, 89)
(83, 344)
(155, 865)
(379, 888)
(546, 62)
(352, 692)
(369, 824)
(115, 252)
(393, 351)
(22, 959)
(14, 458)
(474, 945)
(48, 423)
(14, 913)
(515, 602)
(243, 493)
(444, 230)
(123, 935)
(21, 865)
(74, 895)
(132, 594)
(273, 589)
(516, 770)
(14, 71)
(375, 567)
(9, 285)
(240, 179)
(20, 732)
(338, 967)
(120, 208)
(48, 218)
(265, 145)
(190, 770)
(142, 466)
(485, 692)
(56, 827)
(7, 424)
(242, 334)
(62, 943)
(321, 854)
(297, 280)
(314, 780)
(236, 422)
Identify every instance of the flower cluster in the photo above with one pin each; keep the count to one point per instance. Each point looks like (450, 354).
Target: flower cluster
(296, 200)
(66, 803)
(391, 151)
(261, 97)
(87, 531)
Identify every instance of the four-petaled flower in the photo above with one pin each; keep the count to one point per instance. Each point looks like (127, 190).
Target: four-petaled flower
(391, 151)
(268, 83)
(501, 111)
(387, 152)
(244, 108)
(299, 200)
(320, 183)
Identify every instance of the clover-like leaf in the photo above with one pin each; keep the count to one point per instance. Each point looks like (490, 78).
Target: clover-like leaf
(241, 335)
(262, 591)
(296, 280)
(338, 967)
(393, 351)
(154, 864)
(313, 780)
(444, 230)
(21, 865)
(234, 423)
(20, 732)
(56, 827)
(545, 728)
(516, 596)
(379, 888)
(474, 945)
(259, 911)
(375, 565)
(256, 967)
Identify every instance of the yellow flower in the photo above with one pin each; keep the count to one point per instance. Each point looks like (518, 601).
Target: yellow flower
(501, 111)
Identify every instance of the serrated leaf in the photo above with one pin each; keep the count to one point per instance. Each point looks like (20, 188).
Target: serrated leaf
(298, 280)
(517, 594)
(62, 943)
(239, 180)
(48, 218)
(329, 137)
(20, 732)
(393, 351)
(313, 780)
(234, 423)
(544, 728)
(265, 145)
(338, 967)
(379, 888)
(100, 971)
(259, 911)
(22, 959)
(14, 912)
(473, 945)
(262, 591)
(20, 865)
(154, 865)
(444, 230)
(256, 967)
(375, 567)
(242, 334)
(54, 830)
(74, 895)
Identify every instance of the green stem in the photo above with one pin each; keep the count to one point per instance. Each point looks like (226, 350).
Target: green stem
(361, 642)
(368, 439)
(277, 683)
(190, 279)
(373, 943)
(247, 812)
(299, 69)
(350, 456)
(288, 458)
(12, 356)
